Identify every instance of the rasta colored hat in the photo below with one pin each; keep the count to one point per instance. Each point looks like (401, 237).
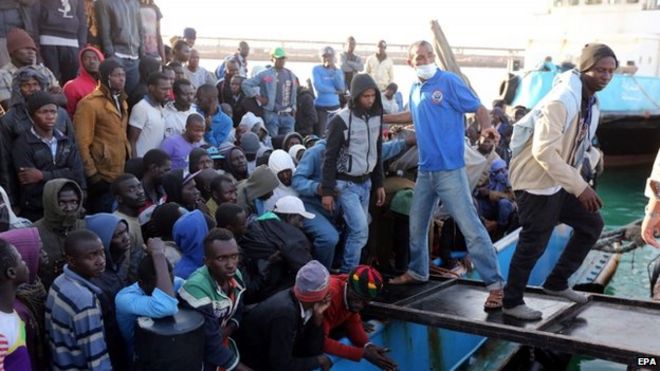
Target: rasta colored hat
(38, 100)
(592, 53)
(311, 282)
(278, 53)
(365, 281)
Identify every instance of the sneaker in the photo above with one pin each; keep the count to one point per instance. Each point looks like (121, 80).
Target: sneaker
(523, 312)
(569, 294)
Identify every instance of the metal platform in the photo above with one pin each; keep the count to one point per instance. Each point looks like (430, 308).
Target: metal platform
(616, 329)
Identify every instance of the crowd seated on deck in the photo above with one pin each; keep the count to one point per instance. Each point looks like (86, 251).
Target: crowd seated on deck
(149, 186)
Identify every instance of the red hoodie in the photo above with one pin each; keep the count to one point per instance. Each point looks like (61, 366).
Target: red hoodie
(81, 86)
(338, 315)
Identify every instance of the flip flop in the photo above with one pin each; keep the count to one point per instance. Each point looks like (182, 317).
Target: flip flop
(405, 279)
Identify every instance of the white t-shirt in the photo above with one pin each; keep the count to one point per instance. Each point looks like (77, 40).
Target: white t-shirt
(10, 327)
(175, 120)
(150, 120)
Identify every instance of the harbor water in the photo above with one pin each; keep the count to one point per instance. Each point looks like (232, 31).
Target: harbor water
(620, 188)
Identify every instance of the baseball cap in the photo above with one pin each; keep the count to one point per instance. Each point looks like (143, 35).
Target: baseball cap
(214, 153)
(292, 205)
(278, 53)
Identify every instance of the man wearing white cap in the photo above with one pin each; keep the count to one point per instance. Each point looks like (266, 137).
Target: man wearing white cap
(328, 81)
(288, 323)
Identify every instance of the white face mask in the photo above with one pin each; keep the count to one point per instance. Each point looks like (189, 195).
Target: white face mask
(426, 71)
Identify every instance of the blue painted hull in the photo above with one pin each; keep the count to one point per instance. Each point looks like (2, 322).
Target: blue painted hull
(418, 347)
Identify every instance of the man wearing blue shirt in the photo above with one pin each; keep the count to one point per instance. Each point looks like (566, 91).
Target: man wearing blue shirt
(152, 296)
(328, 81)
(438, 102)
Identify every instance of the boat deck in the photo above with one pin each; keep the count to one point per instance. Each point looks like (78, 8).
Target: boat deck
(616, 329)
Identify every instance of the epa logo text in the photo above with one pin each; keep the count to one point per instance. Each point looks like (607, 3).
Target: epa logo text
(647, 362)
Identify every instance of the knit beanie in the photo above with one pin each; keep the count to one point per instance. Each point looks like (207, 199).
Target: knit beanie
(311, 282)
(106, 68)
(250, 143)
(38, 100)
(365, 281)
(17, 38)
(592, 53)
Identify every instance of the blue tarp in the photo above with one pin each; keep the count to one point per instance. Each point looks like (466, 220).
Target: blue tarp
(624, 94)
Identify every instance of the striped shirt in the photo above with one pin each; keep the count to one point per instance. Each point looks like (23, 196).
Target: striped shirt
(74, 324)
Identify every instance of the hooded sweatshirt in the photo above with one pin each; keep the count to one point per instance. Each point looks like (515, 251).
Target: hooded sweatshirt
(280, 161)
(53, 229)
(189, 233)
(30, 296)
(17, 120)
(110, 282)
(173, 183)
(260, 183)
(354, 142)
(81, 86)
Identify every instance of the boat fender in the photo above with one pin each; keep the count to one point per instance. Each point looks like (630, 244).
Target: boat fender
(508, 88)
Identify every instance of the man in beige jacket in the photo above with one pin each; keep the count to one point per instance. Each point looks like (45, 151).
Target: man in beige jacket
(546, 178)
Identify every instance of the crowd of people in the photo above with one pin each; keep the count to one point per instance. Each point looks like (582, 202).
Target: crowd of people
(135, 183)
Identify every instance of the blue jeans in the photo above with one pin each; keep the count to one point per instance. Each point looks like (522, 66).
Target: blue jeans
(131, 68)
(452, 189)
(323, 234)
(278, 124)
(353, 200)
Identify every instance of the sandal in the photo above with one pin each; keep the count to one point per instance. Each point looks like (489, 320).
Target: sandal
(494, 300)
(444, 272)
(405, 279)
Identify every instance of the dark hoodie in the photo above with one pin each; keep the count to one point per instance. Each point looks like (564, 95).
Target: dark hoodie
(189, 233)
(81, 86)
(261, 182)
(173, 183)
(53, 229)
(113, 279)
(354, 141)
(17, 120)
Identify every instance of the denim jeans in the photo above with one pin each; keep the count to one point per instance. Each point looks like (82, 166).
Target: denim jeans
(452, 189)
(323, 234)
(131, 68)
(353, 200)
(278, 124)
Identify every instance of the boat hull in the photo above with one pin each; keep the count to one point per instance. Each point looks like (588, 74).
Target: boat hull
(629, 139)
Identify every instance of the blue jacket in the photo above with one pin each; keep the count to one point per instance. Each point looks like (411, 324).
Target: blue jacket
(189, 232)
(265, 85)
(307, 177)
(221, 126)
(326, 83)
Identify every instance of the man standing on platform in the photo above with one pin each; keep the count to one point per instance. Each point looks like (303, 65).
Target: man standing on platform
(351, 63)
(381, 67)
(545, 175)
(438, 102)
